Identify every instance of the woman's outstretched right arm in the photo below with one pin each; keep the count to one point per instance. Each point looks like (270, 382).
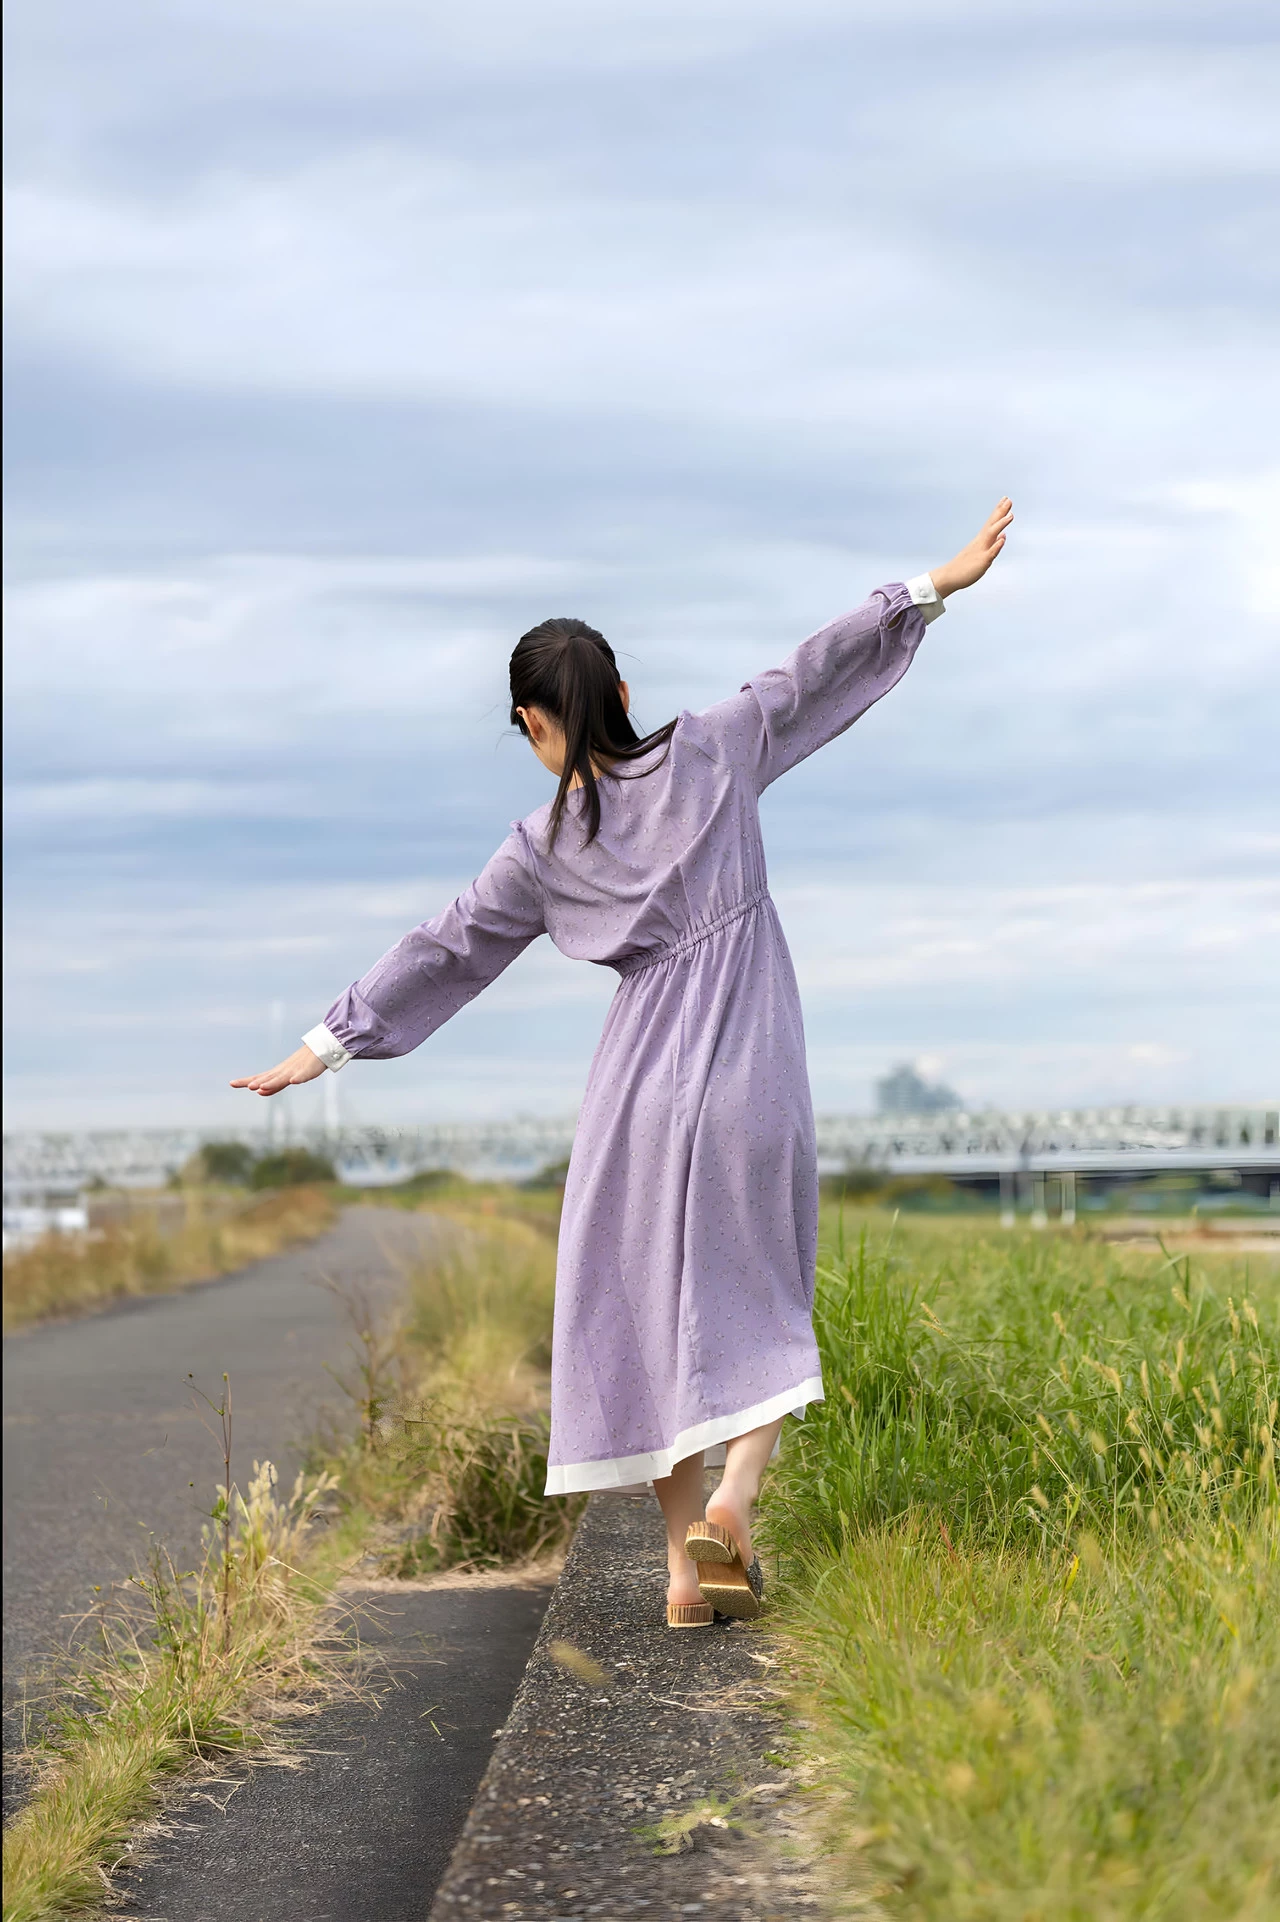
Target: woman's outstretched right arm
(430, 974)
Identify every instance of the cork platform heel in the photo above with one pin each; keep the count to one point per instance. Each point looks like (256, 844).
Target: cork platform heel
(690, 1615)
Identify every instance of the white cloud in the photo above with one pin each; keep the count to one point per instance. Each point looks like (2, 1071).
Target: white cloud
(828, 267)
(1249, 504)
(1120, 937)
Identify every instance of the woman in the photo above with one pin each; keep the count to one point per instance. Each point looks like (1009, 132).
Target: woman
(684, 1288)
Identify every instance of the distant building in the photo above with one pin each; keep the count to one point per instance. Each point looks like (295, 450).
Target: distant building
(903, 1091)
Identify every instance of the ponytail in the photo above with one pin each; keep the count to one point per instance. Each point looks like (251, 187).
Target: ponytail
(569, 671)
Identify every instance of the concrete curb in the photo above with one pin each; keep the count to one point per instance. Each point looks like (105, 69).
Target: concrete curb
(621, 1724)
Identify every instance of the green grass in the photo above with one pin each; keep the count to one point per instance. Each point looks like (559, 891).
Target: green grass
(1030, 1555)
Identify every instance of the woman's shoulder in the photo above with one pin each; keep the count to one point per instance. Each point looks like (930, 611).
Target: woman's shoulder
(529, 835)
(723, 733)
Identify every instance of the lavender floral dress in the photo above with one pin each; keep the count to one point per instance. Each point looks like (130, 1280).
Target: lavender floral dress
(684, 1290)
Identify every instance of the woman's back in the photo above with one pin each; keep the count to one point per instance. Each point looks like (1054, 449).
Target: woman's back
(677, 853)
(678, 848)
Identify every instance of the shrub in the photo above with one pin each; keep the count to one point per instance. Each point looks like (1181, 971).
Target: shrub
(427, 1181)
(553, 1175)
(874, 1187)
(226, 1161)
(483, 1474)
(291, 1168)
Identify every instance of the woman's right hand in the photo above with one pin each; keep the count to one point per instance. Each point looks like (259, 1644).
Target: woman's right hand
(300, 1066)
(972, 562)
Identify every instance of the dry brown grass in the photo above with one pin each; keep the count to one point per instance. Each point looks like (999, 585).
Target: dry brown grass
(451, 1461)
(151, 1245)
(195, 1666)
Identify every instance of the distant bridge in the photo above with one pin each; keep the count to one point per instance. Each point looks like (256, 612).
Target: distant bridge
(959, 1144)
(1080, 1141)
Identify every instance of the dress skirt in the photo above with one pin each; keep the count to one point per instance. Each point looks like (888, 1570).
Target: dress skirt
(684, 1292)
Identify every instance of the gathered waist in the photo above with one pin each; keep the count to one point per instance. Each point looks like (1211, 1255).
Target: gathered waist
(676, 950)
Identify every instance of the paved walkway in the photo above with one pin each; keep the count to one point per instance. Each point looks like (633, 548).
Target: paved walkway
(363, 1829)
(103, 1438)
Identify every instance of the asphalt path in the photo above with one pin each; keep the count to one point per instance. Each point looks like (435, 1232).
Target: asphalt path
(363, 1829)
(106, 1444)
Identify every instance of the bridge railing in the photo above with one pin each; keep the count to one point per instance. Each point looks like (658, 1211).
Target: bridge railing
(952, 1141)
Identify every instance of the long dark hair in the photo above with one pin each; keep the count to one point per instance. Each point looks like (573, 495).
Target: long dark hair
(569, 671)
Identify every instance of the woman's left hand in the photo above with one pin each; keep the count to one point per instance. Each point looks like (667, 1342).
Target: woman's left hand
(972, 562)
(300, 1066)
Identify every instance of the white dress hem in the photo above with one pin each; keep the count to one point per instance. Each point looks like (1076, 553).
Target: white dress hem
(578, 1478)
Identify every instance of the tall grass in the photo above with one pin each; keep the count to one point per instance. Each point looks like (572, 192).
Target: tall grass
(155, 1246)
(1031, 1569)
(1020, 1389)
(453, 1471)
(480, 1309)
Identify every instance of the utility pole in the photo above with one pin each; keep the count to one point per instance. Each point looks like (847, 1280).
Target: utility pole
(276, 1118)
(1008, 1200)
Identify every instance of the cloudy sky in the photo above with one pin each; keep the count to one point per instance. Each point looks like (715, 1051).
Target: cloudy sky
(347, 340)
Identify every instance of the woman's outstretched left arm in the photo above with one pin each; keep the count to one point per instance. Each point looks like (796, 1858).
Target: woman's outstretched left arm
(425, 978)
(785, 714)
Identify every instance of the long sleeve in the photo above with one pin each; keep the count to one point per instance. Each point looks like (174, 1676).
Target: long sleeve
(787, 713)
(436, 968)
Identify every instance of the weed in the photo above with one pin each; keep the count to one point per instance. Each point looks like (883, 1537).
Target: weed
(481, 1476)
(677, 1833)
(184, 1666)
(452, 1459)
(481, 1307)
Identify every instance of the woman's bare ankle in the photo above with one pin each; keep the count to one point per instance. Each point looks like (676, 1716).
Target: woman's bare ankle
(729, 1510)
(682, 1580)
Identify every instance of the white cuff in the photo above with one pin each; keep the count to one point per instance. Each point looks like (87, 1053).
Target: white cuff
(322, 1043)
(926, 597)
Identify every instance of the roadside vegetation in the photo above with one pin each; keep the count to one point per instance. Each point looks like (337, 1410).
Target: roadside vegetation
(155, 1243)
(445, 1469)
(181, 1668)
(450, 1460)
(1027, 1553)
(1030, 1567)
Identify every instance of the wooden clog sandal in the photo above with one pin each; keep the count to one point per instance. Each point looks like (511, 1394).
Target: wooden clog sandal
(690, 1615)
(706, 1541)
(732, 1589)
(723, 1581)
